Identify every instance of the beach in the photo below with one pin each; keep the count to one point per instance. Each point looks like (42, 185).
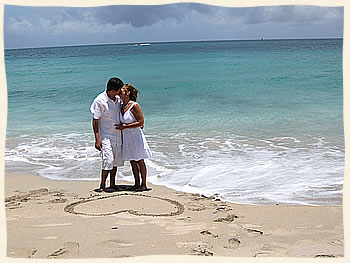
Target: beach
(68, 219)
(244, 112)
(247, 140)
(253, 122)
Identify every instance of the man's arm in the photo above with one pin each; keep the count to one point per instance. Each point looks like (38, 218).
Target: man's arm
(98, 143)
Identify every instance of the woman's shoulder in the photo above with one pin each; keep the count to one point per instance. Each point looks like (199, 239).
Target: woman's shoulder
(135, 104)
(135, 107)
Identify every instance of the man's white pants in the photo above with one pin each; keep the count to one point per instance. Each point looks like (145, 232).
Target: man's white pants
(111, 154)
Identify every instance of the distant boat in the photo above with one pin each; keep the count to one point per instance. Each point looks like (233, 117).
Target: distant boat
(143, 44)
(262, 38)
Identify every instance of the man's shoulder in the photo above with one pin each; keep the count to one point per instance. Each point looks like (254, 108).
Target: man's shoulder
(101, 97)
(98, 102)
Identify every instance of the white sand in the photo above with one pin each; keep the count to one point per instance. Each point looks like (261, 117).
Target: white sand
(67, 219)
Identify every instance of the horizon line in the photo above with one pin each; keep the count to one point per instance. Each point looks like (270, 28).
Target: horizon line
(175, 41)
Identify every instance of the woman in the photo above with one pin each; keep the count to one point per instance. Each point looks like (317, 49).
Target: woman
(135, 148)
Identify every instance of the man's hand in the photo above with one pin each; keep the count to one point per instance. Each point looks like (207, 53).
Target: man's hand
(98, 145)
(120, 126)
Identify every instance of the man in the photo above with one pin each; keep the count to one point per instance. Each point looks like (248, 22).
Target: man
(105, 110)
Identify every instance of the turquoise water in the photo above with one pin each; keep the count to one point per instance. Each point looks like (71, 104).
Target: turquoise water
(249, 121)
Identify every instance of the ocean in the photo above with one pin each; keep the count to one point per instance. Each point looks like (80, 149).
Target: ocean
(246, 121)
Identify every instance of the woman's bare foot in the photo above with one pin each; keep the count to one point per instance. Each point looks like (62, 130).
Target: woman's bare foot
(141, 188)
(134, 187)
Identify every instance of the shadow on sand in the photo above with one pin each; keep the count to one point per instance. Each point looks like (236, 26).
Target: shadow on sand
(119, 188)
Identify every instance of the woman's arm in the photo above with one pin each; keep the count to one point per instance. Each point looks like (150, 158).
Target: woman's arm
(137, 112)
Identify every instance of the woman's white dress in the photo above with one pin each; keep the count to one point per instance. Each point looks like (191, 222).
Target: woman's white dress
(135, 146)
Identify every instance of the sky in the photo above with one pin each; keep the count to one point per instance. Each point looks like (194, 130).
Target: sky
(66, 26)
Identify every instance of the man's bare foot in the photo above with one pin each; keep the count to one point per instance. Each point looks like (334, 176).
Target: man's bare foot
(115, 187)
(100, 190)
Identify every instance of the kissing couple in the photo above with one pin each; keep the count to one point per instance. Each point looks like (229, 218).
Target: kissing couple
(117, 124)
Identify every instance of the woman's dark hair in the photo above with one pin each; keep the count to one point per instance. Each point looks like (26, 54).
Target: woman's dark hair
(114, 84)
(133, 91)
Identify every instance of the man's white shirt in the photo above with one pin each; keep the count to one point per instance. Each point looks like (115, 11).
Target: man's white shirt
(107, 112)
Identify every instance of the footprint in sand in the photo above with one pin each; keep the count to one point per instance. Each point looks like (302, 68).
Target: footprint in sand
(58, 200)
(23, 253)
(70, 249)
(197, 197)
(193, 206)
(13, 205)
(222, 208)
(39, 191)
(337, 242)
(16, 201)
(233, 243)
(228, 219)
(201, 252)
(184, 218)
(254, 232)
(272, 250)
(200, 244)
(198, 248)
(208, 233)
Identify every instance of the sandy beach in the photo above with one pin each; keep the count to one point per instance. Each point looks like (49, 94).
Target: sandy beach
(68, 219)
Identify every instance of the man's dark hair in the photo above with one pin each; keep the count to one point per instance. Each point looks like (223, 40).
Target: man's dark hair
(114, 84)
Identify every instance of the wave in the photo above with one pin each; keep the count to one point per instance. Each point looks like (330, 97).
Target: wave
(234, 168)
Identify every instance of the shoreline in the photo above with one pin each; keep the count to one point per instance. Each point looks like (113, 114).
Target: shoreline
(67, 219)
(215, 196)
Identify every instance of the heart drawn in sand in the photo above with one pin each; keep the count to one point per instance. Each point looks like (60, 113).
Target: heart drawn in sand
(138, 205)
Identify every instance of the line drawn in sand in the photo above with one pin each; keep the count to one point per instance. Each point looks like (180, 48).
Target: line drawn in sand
(179, 208)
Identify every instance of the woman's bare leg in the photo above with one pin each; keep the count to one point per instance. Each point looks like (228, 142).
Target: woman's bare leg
(112, 175)
(136, 172)
(143, 171)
